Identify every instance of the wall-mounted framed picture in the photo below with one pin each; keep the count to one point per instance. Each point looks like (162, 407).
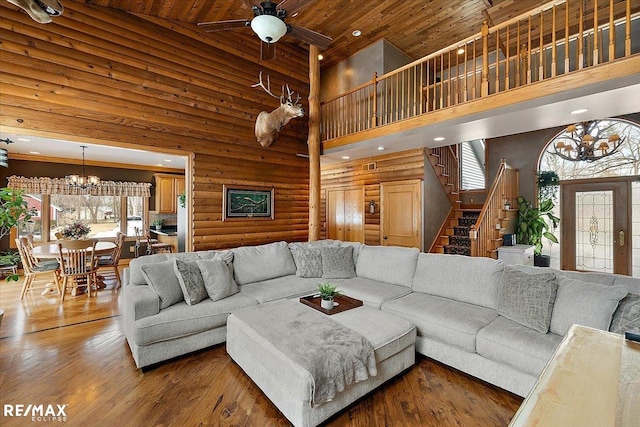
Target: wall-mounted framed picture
(241, 202)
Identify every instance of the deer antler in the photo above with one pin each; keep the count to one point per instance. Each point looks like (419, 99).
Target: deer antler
(266, 89)
(289, 93)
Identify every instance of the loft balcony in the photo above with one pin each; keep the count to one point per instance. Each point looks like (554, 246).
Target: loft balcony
(524, 74)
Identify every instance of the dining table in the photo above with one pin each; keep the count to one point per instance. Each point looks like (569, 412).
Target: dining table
(51, 251)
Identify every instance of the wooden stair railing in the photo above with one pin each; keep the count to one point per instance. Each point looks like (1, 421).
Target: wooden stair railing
(445, 162)
(496, 219)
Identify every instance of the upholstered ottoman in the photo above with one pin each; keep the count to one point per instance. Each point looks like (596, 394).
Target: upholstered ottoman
(288, 384)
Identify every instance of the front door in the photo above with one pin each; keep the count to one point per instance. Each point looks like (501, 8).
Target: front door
(595, 223)
(401, 213)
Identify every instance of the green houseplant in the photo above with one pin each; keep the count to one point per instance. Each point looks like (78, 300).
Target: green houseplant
(532, 225)
(14, 211)
(158, 223)
(548, 183)
(327, 292)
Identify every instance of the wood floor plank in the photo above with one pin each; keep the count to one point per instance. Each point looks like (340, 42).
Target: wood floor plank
(74, 353)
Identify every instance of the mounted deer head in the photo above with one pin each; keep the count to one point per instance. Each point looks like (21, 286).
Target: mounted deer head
(268, 125)
(40, 10)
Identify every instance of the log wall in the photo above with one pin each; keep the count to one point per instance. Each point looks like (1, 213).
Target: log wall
(388, 168)
(103, 76)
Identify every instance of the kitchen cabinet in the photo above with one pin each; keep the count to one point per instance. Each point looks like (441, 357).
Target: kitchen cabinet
(168, 188)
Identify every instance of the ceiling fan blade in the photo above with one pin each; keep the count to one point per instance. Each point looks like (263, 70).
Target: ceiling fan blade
(267, 51)
(224, 25)
(310, 36)
(293, 6)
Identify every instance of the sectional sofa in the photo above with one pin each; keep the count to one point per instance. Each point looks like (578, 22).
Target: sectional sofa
(495, 322)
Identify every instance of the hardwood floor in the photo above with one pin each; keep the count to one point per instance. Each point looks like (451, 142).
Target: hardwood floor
(74, 354)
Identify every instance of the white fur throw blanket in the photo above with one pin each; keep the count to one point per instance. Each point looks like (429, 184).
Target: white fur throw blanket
(334, 355)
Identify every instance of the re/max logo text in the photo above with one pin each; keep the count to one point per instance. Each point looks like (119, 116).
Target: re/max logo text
(36, 412)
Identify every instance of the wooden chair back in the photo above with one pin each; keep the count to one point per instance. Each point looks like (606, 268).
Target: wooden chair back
(77, 257)
(25, 254)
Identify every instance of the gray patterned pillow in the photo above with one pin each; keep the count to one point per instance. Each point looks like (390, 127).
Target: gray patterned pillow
(626, 318)
(218, 278)
(191, 281)
(527, 299)
(337, 263)
(308, 262)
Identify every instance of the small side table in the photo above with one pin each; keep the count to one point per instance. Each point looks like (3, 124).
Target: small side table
(517, 254)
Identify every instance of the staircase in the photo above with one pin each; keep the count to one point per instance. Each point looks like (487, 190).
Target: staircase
(456, 239)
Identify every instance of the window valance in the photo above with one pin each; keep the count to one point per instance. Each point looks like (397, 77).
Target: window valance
(59, 186)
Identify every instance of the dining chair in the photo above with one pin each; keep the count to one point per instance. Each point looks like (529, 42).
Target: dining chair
(33, 271)
(112, 260)
(78, 263)
(35, 260)
(155, 246)
(141, 240)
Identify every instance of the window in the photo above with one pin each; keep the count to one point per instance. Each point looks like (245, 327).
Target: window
(472, 165)
(101, 213)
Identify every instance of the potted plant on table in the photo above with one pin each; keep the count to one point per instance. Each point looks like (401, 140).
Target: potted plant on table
(327, 293)
(532, 227)
(76, 230)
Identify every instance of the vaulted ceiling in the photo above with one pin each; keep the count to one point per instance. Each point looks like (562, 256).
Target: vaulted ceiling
(417, 27)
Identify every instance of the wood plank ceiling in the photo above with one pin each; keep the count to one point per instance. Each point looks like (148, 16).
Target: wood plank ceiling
(417, 27)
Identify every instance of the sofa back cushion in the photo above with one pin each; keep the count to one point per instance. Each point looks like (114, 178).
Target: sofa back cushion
(135, 274)
(458, 277)
(584, 303)
(388, 264)
(256, 263)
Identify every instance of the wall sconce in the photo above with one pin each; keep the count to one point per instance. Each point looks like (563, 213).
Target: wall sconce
(372, 207)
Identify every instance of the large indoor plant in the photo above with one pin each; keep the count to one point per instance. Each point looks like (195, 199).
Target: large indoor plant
(14, 211)
(532, 225)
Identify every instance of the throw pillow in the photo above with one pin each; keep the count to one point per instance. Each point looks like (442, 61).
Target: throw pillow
(218, 278)
(191, 281)
(584, 303)
(626, 318)
(162, 279)
(527, 298)
(308, 262)
(337, 263)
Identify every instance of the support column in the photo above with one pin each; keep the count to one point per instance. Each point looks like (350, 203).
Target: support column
(314, 144)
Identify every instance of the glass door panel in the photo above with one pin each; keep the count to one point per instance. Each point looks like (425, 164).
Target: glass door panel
(594, 231)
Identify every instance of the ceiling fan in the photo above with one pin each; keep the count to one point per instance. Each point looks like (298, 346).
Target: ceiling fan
(268, 23)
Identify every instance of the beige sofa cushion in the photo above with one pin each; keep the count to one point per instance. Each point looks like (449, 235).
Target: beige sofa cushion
(458, 277)
(388, 264)
(256, 263)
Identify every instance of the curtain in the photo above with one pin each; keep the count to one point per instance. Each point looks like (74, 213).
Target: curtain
(59, 186)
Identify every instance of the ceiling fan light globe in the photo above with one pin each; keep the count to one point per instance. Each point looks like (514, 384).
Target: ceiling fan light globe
(269, 28)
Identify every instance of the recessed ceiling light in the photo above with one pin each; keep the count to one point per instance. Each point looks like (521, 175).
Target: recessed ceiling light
(168, 160)
(34, 152)
(159, 164)
(580, 111)
(320, 57)
(439, 138)
(356, 33)
(460, 51)
(345, 157)
(24, 139)
(381, 148)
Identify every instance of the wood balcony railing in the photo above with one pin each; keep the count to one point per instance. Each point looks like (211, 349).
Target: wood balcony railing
(495, 219)
(557, 38)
